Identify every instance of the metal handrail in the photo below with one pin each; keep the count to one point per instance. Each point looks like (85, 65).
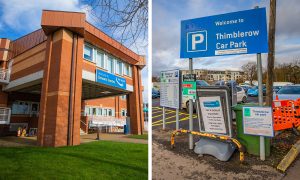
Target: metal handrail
(5, 115)
(106, 121)
(82, 122)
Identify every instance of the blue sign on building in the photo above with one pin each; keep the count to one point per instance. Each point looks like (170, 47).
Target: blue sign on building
(110, 79)
(243, 32)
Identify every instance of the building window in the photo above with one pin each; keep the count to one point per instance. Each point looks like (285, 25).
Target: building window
(109, 112)
(119, 67)
(123, 97)
(123, 112)
(100, 59)
(127, 70)
(110, 65)
(23, 107)
(88, 53)
(104, 112)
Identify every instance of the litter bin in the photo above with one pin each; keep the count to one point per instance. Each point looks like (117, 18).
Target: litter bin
(250, 142)
(125, 129)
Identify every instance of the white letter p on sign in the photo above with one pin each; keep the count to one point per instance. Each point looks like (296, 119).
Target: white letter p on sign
(200, 38)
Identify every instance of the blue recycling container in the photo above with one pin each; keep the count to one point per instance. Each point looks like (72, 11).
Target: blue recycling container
(125, 129)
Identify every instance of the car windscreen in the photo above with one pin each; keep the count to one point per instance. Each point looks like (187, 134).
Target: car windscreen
(202, 83)
(289, 90)
(254, 87)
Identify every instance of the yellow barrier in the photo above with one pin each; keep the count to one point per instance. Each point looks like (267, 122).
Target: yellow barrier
(212, 136)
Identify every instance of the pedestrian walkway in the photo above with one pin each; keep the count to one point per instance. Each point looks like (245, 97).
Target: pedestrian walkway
(111, 137)
(13, 141)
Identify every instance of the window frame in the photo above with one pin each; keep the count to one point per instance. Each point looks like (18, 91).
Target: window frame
(110, 59)
(99, 64)
(92, 53)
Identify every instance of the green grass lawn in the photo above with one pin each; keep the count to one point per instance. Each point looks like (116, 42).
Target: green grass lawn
(144, 136)
(95, 160)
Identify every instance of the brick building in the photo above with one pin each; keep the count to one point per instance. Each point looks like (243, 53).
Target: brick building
(217, 75)
(50, 77)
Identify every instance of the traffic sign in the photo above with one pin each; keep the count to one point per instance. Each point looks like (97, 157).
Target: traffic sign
(243, 32)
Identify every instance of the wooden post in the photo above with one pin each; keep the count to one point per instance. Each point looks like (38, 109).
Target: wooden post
(271, 43)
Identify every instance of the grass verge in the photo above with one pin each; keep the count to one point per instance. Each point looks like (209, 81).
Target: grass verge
(95, 160)
(143, 136)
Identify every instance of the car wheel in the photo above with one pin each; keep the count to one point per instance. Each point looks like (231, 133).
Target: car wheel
(244, 100)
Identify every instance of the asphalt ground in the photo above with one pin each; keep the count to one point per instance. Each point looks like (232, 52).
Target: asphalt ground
(157, 116)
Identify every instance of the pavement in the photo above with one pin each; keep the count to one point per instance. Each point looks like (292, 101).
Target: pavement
(13, 141)
(111, 137)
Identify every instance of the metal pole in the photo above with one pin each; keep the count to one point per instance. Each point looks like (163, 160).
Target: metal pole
(98, 133)
(191, 109)
(260, 101)
(177, 119)
(164, 118)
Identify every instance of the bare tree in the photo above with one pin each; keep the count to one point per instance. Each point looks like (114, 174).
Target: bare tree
(250, 70)
(127, 20)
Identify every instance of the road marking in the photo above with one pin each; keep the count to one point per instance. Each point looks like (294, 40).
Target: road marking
(169, 117)
(161, 114)
(166, 119)
(184, 119)
(161, 111)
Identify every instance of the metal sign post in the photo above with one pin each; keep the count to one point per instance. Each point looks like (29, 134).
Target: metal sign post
(191, 143)
(177, 119)
(260, 101)
(164, 118)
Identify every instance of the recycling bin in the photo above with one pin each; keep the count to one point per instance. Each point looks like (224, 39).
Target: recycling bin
(250, 142)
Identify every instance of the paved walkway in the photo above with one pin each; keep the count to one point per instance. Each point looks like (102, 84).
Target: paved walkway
(111, 137)
(293, 171)
(13, 141)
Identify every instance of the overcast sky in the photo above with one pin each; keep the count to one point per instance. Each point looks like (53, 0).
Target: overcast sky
(20, 17)
(166, 32)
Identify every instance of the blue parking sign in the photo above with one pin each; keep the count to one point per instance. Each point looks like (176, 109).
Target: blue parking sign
(197, 41)
(243, 32)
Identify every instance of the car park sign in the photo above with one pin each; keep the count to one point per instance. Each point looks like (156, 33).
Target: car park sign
(243, 32)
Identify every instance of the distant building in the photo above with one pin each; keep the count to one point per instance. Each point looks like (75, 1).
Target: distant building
(217, 75)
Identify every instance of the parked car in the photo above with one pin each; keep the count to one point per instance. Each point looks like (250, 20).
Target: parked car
(241, 95)
(201, 83)
(254, 91)
(185, 101)
(291, 92)
(246, 87)
(276, 88)
(155, 94)
(223, 83)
